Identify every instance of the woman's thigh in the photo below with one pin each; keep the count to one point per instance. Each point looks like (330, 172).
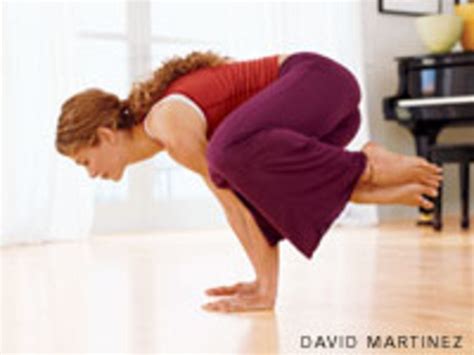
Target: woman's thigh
(268, 230)
(313, 95)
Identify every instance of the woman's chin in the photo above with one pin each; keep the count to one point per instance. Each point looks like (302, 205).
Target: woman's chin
(118, 176)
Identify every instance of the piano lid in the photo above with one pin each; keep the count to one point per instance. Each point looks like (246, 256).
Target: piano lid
(433, 87)
(451, 57)
(435, 101)
(436, 75)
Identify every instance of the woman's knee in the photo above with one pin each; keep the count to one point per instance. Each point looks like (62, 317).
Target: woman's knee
(229, 156)
(345, 131)
(230, 153)
(220, 156)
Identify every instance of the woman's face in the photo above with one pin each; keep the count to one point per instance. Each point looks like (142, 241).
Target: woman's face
(108, 159)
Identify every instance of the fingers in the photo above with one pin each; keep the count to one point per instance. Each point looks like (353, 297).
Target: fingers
(239, 287)
(240, 304)
(222, 290)
(226, 305)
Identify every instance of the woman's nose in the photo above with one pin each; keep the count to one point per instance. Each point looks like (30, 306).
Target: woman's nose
(92, 173)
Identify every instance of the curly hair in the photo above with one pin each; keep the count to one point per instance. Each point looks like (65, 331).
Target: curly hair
(87, 110)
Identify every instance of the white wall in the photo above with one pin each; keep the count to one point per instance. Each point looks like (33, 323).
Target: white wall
(385, 37)
(42, 196)
(52, 49)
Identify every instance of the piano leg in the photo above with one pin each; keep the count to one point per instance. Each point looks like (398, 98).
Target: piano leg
(424, 140)
(438, 212)
(464, 177)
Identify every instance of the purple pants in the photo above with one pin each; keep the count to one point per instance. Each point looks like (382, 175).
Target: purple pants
(282, 151)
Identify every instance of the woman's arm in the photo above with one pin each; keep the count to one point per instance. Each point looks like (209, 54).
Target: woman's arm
(264, 257)
(186, 143)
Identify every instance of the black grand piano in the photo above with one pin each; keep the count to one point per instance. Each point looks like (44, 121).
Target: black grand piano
(435, 91)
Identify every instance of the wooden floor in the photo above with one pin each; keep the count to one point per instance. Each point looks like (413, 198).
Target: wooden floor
(143, 293)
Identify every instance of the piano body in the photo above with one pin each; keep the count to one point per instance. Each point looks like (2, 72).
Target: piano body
(435, 91)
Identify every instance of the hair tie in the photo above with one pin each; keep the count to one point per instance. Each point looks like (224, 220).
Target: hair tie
(127, 119)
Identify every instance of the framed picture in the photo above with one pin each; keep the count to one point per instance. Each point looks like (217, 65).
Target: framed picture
(410, 7)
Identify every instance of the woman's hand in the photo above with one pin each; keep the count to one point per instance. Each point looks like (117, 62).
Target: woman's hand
(244, 296)
(254, 301)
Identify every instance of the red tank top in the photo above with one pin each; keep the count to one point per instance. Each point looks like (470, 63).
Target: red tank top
(218, 90)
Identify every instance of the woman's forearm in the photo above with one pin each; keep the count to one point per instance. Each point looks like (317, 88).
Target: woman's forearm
(239, 226)
(265, 258)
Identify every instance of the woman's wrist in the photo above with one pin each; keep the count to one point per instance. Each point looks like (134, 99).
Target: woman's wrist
(266, 286)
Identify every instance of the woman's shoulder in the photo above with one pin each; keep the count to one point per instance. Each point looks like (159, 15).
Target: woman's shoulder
(180, 102)
(281, 57)
(178, 111)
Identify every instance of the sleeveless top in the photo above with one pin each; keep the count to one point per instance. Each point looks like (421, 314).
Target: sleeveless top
(215, 91)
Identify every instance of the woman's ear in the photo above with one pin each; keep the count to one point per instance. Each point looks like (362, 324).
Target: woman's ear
(106, 134)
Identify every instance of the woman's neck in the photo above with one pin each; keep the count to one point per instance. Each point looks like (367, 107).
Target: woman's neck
(142, 145)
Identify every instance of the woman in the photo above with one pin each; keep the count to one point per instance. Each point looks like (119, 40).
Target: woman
(267, 136)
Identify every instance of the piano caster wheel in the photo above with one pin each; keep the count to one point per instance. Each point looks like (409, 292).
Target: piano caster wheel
(465, 224)
(425, 219)
(437, 225)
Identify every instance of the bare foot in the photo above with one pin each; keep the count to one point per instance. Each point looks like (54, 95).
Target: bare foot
(410, 194)
(238, 288)
(389, 169)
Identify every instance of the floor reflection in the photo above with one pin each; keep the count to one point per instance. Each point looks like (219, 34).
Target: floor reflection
(143, 294)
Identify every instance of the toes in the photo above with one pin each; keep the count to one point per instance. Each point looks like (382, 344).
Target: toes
(435, 183)
(433, 180)
(423, 202)
(434, 168)
(431, 166)
(428, 176)
(438, 174)
(428, 204)
(430, 191)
